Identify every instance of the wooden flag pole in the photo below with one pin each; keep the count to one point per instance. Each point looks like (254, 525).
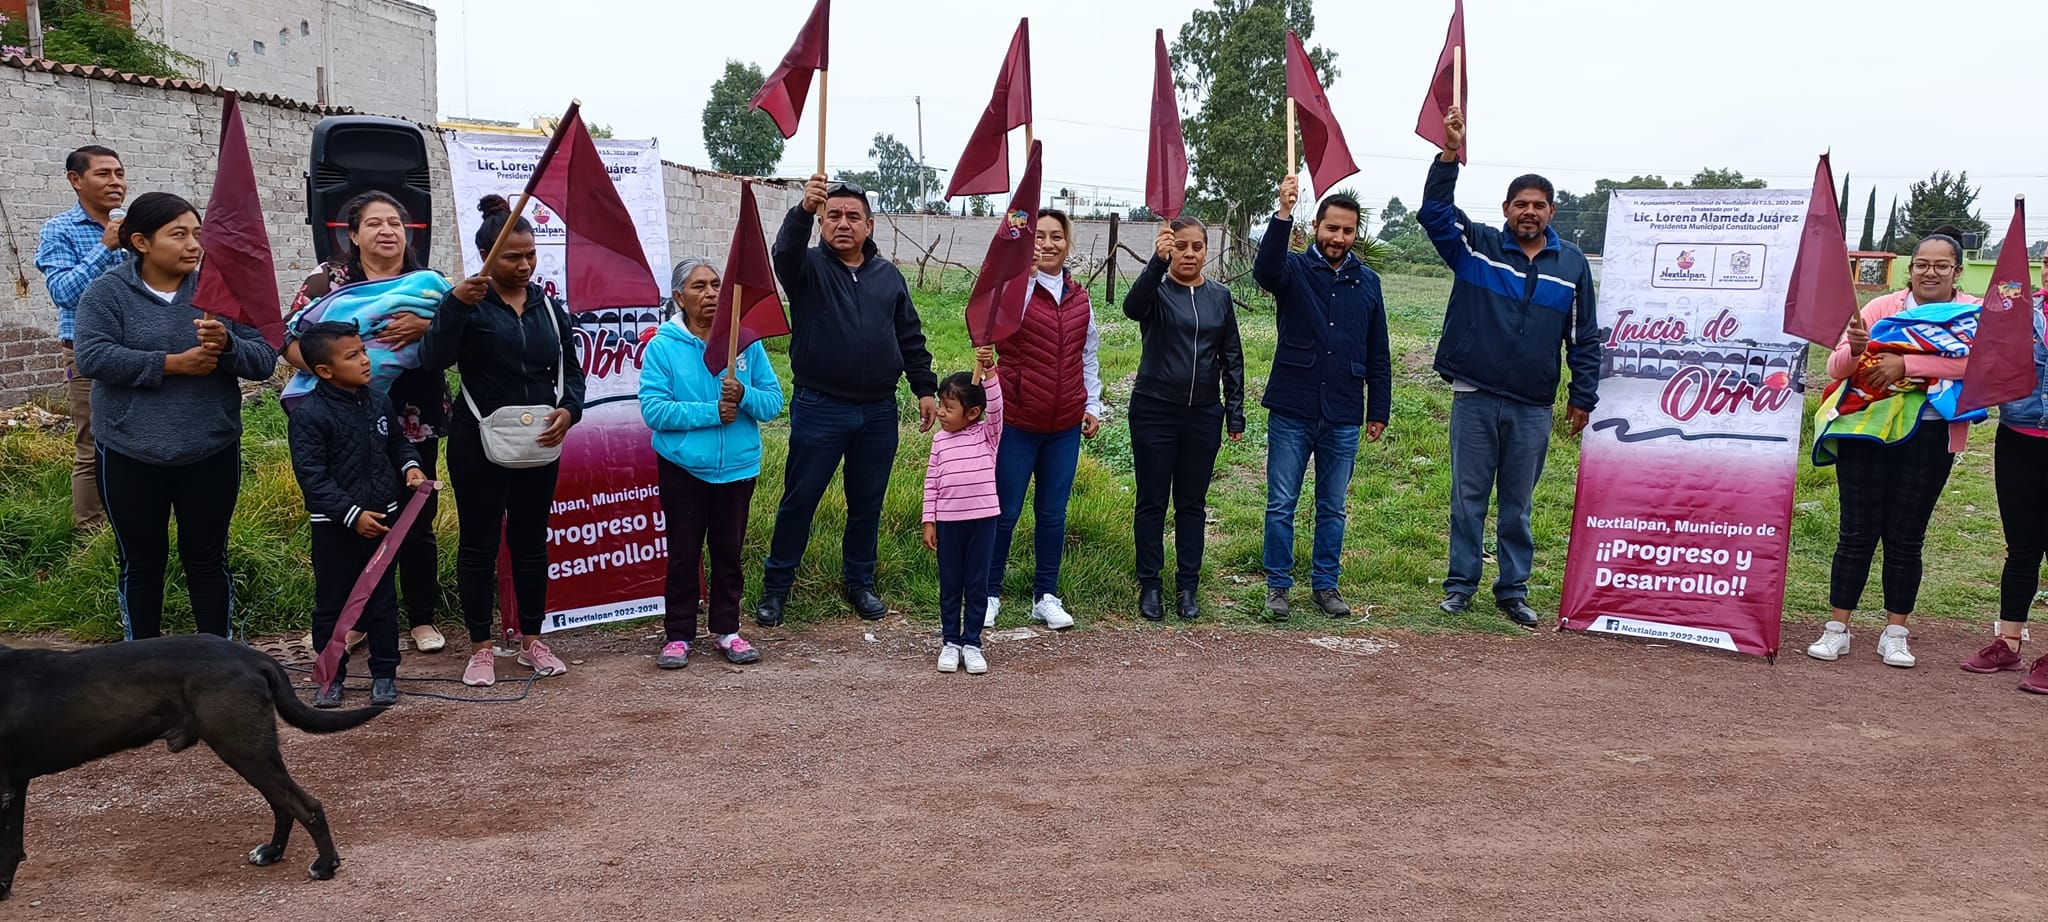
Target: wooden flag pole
(1458, 76)
(1027, 140)
(525, 195)
(824, 94)
(732, 331)
(1291, 162)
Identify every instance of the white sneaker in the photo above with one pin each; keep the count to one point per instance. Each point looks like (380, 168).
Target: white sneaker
(1892, 646)
(949, 658)
(994, 605)
(1052, 611)
(976, 665)
(1832, 644)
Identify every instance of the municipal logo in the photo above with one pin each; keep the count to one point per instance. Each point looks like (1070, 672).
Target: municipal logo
(1685, 259)
(1015, 223)
(1739, 263)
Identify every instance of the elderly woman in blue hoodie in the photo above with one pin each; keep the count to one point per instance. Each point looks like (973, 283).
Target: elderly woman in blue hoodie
(707, 439)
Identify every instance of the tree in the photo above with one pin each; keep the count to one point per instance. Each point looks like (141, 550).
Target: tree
(1869, 242)
(978, 206)
(601, 131)
(1842, 205)
(897, 182)
(1585, 222)
(1891, 229)
(1710, 178)
(1229, 63)
(1940, 199)
(1142, 214)
(739, 138)
(1396, 219)
(83, 32)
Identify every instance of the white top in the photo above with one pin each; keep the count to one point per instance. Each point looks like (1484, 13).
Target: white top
(1091, 367)
(167, 296)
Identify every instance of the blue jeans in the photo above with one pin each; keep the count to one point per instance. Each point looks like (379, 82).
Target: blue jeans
(1496, 443)
(1289, 443)
(963, 574)
(822, 433)
(1051, 458)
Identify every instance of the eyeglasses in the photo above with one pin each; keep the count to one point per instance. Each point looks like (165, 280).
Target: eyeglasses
(1933, 268)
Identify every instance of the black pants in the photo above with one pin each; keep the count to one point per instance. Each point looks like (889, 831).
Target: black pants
(964, 551)
(700, 513)
(1888, 492)
(139, 498)
(419, 558)
(339, 556)
(1174, 450)
(823, 432)
(488, 499)
(2022, 476)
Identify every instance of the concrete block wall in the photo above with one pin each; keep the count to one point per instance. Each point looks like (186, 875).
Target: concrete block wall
(379, 54)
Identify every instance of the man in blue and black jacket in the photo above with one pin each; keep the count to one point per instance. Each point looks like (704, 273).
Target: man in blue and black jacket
(1332, 375)
(1521, 297)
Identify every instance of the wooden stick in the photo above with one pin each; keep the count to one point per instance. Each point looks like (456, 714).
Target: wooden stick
(1027, 141)
(824, 92)
(1458, 76)
(732, 324)
(1290, 137)
(506, 231)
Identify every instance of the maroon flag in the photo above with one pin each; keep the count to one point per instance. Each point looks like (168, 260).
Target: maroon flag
(782, 94)
(1442, 94)
(2002, 356)
(237, 279)
(748, 274)
(1821, 298)
(1329, 159)
(1166, 156)
(985, 164)
(607, 268)
(996, 308)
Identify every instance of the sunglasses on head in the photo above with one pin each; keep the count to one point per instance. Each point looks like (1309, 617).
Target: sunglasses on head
(845, 188)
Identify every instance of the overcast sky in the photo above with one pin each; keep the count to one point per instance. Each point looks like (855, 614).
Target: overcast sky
(1575, 89)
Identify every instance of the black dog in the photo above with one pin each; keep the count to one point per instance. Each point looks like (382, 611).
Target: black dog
(62, 710)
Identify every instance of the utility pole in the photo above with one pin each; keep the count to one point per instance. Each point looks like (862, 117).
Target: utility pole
(923, 219)
(35, 29)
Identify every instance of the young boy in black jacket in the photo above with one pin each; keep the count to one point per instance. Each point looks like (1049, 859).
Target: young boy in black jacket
(353, 463)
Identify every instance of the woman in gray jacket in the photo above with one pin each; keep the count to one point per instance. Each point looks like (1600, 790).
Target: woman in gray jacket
(167, 412)
(1190, 388)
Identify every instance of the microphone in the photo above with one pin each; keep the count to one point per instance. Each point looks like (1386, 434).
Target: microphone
(117, 214)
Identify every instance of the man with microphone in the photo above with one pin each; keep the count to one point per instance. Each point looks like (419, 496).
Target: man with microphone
(76, 247)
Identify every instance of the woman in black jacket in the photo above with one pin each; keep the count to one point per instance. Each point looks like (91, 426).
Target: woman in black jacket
(1190, 388)
(513, 347)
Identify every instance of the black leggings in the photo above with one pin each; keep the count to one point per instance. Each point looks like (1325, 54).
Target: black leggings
(419, 558)
(2022, 477)
(1173, 449)
(489, 498)
(140, 498)
(1888, 492)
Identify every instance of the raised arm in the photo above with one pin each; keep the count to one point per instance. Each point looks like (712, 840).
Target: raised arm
(1142, 301)
(65, 269)
(1269, 268)
(791, 252)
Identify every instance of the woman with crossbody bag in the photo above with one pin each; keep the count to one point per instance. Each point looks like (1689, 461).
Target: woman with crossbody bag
(522, 388)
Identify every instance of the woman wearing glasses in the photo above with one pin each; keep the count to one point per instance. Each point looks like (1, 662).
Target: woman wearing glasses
(1888, 489)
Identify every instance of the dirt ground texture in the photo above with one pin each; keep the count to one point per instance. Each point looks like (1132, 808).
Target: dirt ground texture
(1140, 774)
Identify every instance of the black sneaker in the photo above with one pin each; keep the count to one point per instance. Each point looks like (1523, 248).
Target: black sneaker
(383, 692)
(866, 603)
(1150, 606)
(1190, 605)
(1519, 612)
(1456, 603)
(329, 697)
(769, 612)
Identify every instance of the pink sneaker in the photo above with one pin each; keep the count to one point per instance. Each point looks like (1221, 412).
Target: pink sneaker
(674, 655)
(543, 660)
(482, 671)
(1995, 658)
(738, 651)
(2037, 678)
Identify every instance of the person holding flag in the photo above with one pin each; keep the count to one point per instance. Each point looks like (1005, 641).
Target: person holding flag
(707, 441)
(2020, 468)
(1889, 489)
(167, 413)
(1520, 296)
(854, 334)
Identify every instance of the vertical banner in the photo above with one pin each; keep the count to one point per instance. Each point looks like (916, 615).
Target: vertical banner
(1682, 523)
(607, 544)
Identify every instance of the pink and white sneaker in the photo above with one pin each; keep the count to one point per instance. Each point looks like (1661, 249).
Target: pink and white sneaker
(543, 660)
(674, 655)
(482, 671)
(738, 651)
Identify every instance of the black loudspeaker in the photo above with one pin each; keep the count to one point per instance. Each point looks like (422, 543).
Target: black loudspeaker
(353, 154)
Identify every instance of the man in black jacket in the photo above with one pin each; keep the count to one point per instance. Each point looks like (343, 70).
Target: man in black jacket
(353, 463)
(854, 332)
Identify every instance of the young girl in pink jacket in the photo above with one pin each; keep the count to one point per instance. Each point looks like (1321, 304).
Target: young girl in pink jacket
(960, 506)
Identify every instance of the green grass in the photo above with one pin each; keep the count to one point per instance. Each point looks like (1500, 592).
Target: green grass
(1394, 553)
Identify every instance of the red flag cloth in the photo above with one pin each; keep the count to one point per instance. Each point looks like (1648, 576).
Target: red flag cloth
(237, 279)
(607, 268)
(996, 308)
(1430, 123)
(783, 93)
(985, 164)
(747, 268)
(1166, 155)
(359, 595)
(1821, 297)
(1329, 158)
(2002, 356)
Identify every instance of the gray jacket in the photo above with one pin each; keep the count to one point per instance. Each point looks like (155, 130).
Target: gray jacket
(124, 334)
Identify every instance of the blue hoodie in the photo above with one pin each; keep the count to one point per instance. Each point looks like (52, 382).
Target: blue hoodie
(679, 401)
